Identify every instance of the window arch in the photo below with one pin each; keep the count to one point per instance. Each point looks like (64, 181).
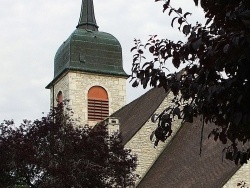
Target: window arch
(59, 97)
(98, 104)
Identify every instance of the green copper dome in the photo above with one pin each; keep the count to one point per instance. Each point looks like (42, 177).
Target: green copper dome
(90, 51)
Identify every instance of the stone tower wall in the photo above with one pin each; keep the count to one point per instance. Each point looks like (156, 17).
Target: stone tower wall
(75, 87)
(63, 86)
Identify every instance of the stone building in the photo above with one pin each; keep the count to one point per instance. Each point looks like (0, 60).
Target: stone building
(88, 71)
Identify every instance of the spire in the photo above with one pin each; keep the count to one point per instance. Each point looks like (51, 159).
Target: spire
(87, 17)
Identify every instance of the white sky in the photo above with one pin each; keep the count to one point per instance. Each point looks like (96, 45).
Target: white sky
(31, 31)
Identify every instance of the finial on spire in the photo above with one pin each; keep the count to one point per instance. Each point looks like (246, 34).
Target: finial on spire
(87, 17)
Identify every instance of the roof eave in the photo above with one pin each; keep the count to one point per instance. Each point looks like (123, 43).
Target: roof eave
(121, 74)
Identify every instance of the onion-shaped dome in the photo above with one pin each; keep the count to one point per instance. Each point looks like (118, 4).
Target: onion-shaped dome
(89, 50)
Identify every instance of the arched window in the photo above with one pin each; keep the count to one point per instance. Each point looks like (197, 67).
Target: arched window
(59, 97)
(98, 104)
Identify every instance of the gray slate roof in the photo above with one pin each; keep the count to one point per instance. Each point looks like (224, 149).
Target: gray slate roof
(180, 164)
(135, 114)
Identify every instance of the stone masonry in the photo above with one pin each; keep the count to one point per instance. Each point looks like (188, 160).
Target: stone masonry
(75, 87)
(61, 85)
(242, 174)
(141, 145)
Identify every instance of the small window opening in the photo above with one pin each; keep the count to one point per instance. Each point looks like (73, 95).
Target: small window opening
(59, 97)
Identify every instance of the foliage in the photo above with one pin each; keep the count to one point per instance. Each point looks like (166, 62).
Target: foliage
(242, 184)
(214, 83)
(56, 152)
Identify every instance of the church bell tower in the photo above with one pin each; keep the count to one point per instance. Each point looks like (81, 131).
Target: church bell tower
(88, 71)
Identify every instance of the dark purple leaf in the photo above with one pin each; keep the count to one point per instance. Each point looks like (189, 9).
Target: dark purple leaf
(180, 20)
(187, 13)
(226, 48)
(135, 84)
(179, 10)
(176, 62)
(165, 7)
(152, 136)
(186, 29)
(196, 2)
(172, 24)
(132, 49)
(151, 49)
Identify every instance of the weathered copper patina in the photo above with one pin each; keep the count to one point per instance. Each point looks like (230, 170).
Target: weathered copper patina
(89, 50)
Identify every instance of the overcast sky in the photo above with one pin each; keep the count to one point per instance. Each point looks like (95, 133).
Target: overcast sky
(31, 31)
